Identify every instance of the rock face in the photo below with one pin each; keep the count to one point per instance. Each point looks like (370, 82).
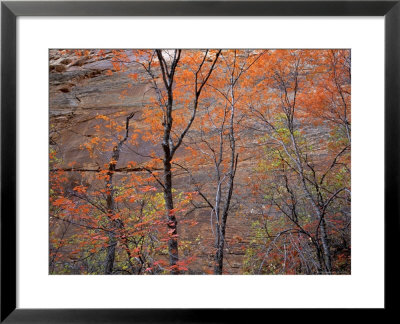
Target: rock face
(81, 87)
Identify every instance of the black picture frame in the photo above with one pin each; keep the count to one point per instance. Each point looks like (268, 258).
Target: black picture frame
(9, 13)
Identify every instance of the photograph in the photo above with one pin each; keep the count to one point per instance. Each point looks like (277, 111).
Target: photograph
(199, 161)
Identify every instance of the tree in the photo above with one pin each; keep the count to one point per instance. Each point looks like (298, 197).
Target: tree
(216, 140)
(116, 219)
(168, 65)
(251, 146)
(301, 190)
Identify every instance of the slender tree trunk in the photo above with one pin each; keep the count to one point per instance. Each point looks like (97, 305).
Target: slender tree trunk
(319, 213)
(171, 219)
(325, 246)
(110, 254)
(169, 202)
(169, 148)
(115, 223)
(322, 224)
(112, 242)
(219, 256)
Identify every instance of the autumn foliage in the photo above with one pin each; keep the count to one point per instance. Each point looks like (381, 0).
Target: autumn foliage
(237, 155)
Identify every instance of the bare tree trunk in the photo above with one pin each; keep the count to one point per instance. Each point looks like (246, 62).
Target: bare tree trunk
(317, 209)
(115, 223)
(171, 219)
(289, 110)
(325, 246)
(110, 255)
(219, 256)
(236, 71)
(169, 148)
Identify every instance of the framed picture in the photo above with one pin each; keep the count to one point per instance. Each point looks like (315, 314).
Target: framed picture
(183, 140)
